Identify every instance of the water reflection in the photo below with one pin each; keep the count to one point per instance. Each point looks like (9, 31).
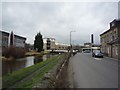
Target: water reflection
(45, 57)
(38, 59)
(29, 61)
(14, 65)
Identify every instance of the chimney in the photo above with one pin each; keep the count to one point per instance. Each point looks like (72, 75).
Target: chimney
(92, 39)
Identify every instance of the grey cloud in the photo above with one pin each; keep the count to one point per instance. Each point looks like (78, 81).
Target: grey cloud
(56, 20)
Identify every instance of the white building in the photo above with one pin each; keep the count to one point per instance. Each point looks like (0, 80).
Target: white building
(61, 46)
(49, 43)
(90, 47)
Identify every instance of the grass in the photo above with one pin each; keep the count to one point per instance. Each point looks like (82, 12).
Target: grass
(38, 77)
(32, 53)
(11, 79)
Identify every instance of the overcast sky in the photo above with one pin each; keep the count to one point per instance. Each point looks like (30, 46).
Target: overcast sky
(57, 19)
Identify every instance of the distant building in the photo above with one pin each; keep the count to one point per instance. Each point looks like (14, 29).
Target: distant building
(87, 45)
(49, 43)
(90, 47)
(61, 46)
(8, 39)
(110, 40)
(29, 47)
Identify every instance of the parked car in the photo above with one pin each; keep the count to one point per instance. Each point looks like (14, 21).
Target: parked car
(86, 51)
(75, 52)
(97, 54)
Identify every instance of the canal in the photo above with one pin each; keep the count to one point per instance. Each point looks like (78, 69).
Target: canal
(14, 65)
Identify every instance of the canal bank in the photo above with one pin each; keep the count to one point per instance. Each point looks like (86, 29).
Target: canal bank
(27, 54)
(17, 64)
(27, 77)
(57, 76)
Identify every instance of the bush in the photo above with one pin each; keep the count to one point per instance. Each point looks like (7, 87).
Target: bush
(13, 52)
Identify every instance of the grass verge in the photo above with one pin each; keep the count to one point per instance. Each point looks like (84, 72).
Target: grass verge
(16, 76)
(38, 77)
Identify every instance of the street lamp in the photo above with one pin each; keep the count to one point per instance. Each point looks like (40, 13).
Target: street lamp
(70, 36)
(70, 42)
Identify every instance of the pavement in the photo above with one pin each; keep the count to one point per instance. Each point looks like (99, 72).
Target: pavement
(86, 71)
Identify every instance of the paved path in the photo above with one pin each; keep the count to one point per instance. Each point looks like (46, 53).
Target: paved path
(89, 72)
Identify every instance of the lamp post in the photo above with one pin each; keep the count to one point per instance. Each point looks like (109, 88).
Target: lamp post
(70, 42)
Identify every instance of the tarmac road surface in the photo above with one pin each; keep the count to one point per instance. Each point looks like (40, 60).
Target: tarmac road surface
(90, 72)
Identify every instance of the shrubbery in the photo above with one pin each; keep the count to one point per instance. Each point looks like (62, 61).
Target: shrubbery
(13, 52)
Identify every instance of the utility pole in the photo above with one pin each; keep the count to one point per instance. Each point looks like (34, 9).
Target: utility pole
(70, 43)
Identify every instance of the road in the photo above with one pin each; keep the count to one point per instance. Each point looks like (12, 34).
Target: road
(90, 72)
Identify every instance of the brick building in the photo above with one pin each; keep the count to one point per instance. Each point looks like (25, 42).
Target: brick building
(110, 40)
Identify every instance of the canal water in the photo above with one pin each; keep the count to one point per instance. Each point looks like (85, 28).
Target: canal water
(14, 65)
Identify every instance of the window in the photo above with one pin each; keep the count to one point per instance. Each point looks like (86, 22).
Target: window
(111, 37)
(113, 24)
(116, 33)
(116, 50)
(108, 38)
